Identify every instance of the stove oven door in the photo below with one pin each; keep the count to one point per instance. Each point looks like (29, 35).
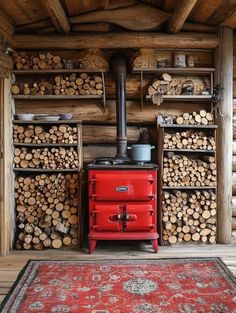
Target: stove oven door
(139, 217)
(123, 186)
(107, 217)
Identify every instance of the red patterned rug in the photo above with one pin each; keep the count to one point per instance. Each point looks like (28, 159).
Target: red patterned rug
(196, 285)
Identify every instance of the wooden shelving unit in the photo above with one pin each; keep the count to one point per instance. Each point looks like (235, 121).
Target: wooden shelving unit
(177, 71)
(31, 172)
(24, 73)
(162, 128)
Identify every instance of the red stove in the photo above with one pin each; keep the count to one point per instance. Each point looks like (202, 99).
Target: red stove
(122, 203)
(122, 194)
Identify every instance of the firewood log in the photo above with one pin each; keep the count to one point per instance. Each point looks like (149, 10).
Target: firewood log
(184, 216)
(43, 219)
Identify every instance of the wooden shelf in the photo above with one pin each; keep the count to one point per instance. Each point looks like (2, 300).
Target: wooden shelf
(33, 170)
(45, 144)
(184, 98)
(189, 150)
(187, 187)
(46, 122)
(56, 71)
(177, 70)
(188, 126)
(55, 97)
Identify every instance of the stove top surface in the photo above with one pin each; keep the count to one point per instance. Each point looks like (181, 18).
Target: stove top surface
(113, 163)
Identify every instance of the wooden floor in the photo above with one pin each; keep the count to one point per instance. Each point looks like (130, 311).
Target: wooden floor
(11, 265)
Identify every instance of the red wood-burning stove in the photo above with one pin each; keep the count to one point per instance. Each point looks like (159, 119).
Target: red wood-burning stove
(122, 193)
(122, 203)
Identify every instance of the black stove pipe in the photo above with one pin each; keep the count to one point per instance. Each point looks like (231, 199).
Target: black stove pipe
(118, 68)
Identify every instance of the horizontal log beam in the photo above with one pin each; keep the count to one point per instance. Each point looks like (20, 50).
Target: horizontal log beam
(91, 111)
(118, 40)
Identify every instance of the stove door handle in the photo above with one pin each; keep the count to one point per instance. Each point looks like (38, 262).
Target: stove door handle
(151, 197)
(116, 217)
(131, 217)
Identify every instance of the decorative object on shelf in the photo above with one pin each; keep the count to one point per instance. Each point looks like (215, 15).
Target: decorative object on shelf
(179, 59)
(46, 158)
(187, 87)
(196, 118)
(78, 64)
(67, 64)
(38, 134)
(93, 60)
(146, 59)
(66, 116)
(49, 118)
(190, 61)
(162, 63)
(167, 119)
(24, 117)
(47, 211)
(39, 61)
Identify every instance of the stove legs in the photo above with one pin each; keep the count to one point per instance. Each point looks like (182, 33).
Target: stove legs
(92, 245)
(154, 243)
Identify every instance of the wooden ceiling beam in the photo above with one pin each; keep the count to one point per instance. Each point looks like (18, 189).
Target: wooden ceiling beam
(180, 15)
(57, 15)
(118, 40)
(230, 21)
(6, 25)
(205, 10)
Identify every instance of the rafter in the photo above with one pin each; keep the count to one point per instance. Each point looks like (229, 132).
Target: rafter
(57, 15)
(205, 10)
(230, 21)
(6, 25)
(180, 15)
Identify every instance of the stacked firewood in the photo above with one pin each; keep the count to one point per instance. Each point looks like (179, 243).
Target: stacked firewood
(46, 158)
(189, 139)
(167, 85)
(82, 84)
(189, 216)
(46, 211)
(73, 84)
(39, 61)
(200, 118)
(37, 134)
(180, 170)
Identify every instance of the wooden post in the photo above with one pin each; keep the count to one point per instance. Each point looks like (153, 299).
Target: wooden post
(224, 67)
(7, 181)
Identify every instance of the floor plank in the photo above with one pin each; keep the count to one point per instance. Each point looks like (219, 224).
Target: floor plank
(11, 264)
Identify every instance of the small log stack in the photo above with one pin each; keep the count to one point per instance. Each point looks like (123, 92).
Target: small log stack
(46, 158)
(82, 84)
(166, 85)
(39, 61)
(180, 170)
(46, 211)
(189, 216)
(189, 139)
(196, 118)
(37, 134)
(73, 84)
